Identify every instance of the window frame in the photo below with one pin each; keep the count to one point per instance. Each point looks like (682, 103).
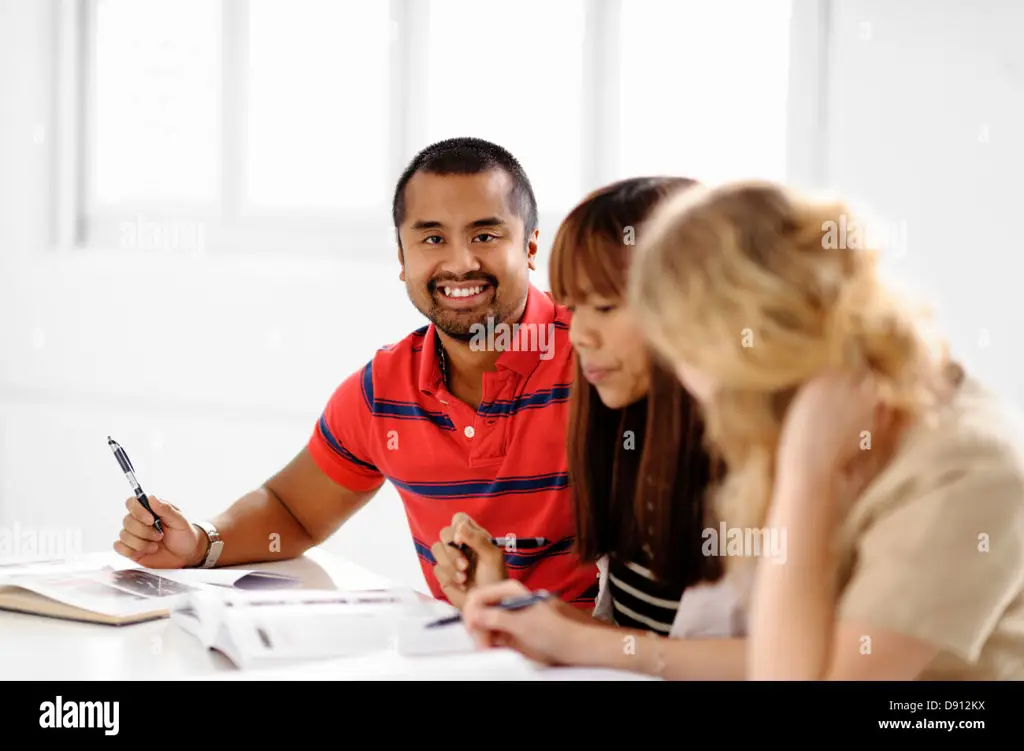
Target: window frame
(80, 224)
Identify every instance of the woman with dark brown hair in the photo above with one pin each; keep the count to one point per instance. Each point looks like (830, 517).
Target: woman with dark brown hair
(639, 472)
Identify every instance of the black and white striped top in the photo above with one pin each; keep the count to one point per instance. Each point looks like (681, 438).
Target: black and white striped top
(638, 600)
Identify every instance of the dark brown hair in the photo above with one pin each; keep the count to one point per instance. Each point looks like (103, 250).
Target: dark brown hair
(659, 481)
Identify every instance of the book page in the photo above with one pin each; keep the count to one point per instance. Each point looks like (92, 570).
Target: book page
(241, 578)
(302, 600)
(315, 624)
(273, 636)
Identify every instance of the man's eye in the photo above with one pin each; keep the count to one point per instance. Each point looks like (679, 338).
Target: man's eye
(427, 240)
(486, 234)
(605, 308)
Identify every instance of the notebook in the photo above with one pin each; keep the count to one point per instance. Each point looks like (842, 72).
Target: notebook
(83, 591)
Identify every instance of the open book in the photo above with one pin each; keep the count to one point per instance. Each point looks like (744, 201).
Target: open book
(263, 629)
(83, 591)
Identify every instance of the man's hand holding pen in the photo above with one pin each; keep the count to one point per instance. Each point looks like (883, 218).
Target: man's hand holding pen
(466, 557)
(179, 546)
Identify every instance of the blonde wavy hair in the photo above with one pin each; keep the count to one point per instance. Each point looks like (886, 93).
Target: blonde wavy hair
(742, 283)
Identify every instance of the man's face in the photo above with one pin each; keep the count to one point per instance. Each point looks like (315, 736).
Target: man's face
(465, 256)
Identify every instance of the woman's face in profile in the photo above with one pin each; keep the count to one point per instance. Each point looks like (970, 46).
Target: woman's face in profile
(610, 349)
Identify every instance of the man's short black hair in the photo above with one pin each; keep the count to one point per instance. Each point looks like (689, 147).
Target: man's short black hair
(469, 156)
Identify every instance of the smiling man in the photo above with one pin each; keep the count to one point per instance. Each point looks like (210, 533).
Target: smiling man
(459, 428)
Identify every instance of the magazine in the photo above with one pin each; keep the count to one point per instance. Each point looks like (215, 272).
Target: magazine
(83, 591)
(105, 595)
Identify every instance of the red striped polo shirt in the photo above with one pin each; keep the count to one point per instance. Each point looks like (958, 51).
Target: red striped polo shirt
(503, 464)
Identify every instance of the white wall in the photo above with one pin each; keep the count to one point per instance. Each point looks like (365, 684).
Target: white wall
(925, 122)
(221, 366)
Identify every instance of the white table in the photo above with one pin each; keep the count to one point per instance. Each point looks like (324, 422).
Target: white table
(39, 648)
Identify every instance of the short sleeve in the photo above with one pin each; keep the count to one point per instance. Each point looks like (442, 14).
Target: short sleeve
(340, 442)
(943, 562)
(603, 602)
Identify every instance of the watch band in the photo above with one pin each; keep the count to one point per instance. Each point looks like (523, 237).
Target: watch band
(213, 548)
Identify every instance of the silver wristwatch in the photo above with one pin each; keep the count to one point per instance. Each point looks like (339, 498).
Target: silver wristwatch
(215, 547)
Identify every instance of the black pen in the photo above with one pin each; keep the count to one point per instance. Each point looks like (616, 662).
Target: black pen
(509, 603)
(511, 542)
(129, 472)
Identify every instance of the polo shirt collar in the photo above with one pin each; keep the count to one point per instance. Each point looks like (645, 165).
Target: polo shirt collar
(540, 312)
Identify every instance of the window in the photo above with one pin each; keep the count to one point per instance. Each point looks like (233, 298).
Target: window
(512, 75)
(157, 92)
(318, 76)
(282, 124)
(704, 88)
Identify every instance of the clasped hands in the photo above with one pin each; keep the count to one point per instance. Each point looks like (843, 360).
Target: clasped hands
(540, 632)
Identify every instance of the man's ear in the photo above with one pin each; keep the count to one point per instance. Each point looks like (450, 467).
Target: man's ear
(401, 262)
(531, 249)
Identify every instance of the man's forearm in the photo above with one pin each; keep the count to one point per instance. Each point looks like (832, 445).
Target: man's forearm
(659, 656)
(257, 528)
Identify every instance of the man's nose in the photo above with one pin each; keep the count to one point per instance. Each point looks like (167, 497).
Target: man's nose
(460, 259)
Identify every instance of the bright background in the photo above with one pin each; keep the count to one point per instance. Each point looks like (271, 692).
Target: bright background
(262, 138)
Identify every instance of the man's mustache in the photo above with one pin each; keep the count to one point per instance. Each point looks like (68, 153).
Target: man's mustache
(440, 281)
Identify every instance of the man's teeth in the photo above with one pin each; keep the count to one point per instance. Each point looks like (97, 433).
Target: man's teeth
(462, 292)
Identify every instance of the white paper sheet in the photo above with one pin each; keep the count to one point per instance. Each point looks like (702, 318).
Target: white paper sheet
(591, 674)
(485, 665)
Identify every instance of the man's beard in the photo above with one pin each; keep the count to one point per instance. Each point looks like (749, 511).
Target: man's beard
(463, 325)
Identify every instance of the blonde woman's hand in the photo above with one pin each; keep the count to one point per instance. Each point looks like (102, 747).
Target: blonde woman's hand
(829, 425)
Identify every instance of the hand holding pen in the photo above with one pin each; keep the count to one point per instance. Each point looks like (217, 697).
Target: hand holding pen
(517, 602)
(466, 556)
(154, 534)
(507, 614)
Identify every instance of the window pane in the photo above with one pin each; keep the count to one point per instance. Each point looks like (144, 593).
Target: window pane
(525, 95)
(156, 100)
(318, 104)
(704, 87)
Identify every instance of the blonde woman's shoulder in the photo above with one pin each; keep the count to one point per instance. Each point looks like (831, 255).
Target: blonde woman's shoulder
(968, 454)
(934, 548)
(975, 430)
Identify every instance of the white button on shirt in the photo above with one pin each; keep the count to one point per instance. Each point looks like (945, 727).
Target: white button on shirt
(469, 431)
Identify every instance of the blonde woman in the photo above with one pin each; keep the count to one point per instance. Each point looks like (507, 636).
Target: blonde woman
(897, 478)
